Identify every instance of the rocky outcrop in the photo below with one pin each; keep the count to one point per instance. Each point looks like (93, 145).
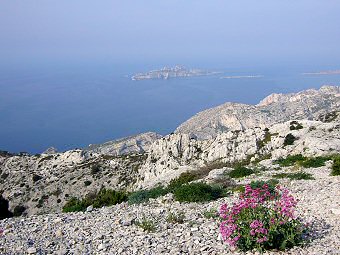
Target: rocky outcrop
(43, 184)
(173, 154)
(132, 144)
(275, 108)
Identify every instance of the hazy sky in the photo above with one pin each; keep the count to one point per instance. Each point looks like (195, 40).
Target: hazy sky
(264, 30)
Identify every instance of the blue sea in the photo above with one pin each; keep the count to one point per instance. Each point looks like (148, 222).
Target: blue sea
(72, 106)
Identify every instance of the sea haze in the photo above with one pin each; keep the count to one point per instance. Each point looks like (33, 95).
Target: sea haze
(71, 107)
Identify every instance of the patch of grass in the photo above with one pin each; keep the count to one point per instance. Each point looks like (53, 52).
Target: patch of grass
(146, 224)
(175, 217)
(238, 188)
(336, 166)
(143, 196)
(198, 192)
(289, 139)
(211, 214)
(295, 176)
(240, 171)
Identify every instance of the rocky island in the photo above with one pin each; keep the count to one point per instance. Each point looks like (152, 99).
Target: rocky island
(149, 194)
(171, 72)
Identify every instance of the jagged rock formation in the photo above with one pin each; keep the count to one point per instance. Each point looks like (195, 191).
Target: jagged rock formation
(176, 153)
(132, 144)
(50, 150)
(275, 108)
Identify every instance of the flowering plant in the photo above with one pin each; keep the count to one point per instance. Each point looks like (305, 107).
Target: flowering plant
(262, 219)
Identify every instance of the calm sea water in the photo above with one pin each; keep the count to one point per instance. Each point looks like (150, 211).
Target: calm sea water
(73, 107)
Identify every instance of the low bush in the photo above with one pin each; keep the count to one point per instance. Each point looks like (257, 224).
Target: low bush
(262, 220)
(294, 125)
(336, 166)
(146, 224)
(18, 210)
(240, 171)
(314, 162)
(197, 192)
(182, 179)
(105, 197)
(259, 184)
(75, 205)
(295, 176)
(95, 169)
(289, 139)
(143, 196)
(175, 217)
(290, 160)
(87, 183)
(108, 197)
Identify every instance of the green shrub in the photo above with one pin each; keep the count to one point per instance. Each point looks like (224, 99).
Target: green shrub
(336, 166)
(18, 210)
(271, 185)
(290, 160)
(267, 138)
(108, 197)
(314, 162)
(197, 192)
(87, 183)
(294, 125)
(240, 171)
(105, 197)
(295, 176)
(95, 169)
(182, 179)
(75, 205)
(143, 196)
(289, 139)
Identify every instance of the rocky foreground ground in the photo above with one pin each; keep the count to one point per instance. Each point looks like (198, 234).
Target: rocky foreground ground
(111, 230)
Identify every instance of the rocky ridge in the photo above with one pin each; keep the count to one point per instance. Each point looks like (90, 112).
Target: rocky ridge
(273, 109)
(132, 144)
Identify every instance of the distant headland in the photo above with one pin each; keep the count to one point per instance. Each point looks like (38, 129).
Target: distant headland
(171, 72)
(329, 72)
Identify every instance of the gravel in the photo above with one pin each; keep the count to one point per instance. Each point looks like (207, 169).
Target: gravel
(112, 230)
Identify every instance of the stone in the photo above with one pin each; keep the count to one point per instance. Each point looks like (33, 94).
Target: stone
(89, 208)
(31, 250)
